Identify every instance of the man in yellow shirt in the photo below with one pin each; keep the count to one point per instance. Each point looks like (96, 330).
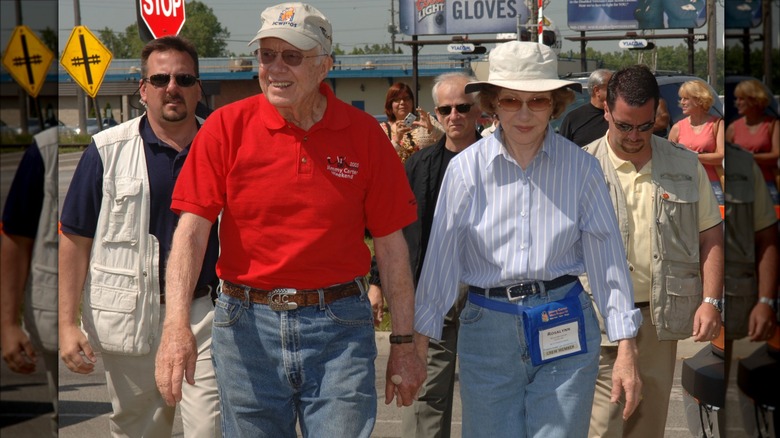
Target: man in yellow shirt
(670, 224)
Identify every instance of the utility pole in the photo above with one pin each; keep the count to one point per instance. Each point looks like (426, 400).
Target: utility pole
(22, 94)
(766, 11)
(80, 100)
(392, 28)
(712, 46)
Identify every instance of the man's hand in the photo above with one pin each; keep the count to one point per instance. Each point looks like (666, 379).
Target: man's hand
(706, 323)
(175, 361)
(377, 303)
(18, 351)
(405, 373)
(75, 350)
(625, 376)
(761, 324)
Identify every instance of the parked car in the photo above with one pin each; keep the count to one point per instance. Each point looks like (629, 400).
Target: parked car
(92, 125)
(668, 83)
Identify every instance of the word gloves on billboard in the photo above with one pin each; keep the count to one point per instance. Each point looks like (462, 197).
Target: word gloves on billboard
(446, 17)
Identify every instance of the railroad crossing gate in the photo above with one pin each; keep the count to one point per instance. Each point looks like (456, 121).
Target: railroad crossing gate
(27, 59)
(86, 59)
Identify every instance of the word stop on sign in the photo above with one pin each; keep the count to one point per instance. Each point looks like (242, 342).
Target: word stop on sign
(167, 8)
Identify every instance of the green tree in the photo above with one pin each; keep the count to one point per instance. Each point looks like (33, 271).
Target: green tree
(49, 37)
(201, 28)
(374, 49)
(204, 31)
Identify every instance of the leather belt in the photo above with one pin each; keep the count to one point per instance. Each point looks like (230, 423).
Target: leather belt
(642, 304)
(282, 299)
(523, 289)
(200, 292)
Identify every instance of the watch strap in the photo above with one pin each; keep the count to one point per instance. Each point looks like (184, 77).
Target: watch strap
(401, 339)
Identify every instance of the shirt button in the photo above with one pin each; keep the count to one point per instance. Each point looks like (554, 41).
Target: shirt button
(303, 160)
(631, 268)
(522, 214)
(306, 138)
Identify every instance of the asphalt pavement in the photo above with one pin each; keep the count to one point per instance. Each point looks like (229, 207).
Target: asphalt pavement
(85, 407)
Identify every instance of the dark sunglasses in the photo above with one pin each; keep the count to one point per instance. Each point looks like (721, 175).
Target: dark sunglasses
(163, 79)
(625, 127)
(293, 58)
(462, 108)
(535, 104)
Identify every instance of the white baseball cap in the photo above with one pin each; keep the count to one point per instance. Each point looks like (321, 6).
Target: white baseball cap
(523, 66)
(299, 24)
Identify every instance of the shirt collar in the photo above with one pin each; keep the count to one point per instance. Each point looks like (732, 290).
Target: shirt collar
(332, 119)
(496, 149)
(148, 135)
(625, 165)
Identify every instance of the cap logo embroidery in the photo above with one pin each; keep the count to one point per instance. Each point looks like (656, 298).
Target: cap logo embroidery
(286, 17)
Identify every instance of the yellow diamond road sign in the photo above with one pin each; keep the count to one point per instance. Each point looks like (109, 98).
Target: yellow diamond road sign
(27, 59)
(86, 59)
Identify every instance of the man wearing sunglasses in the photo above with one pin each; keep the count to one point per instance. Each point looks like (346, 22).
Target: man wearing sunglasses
(117, 232)
(298, 176)
(457, 112)
(670, 224)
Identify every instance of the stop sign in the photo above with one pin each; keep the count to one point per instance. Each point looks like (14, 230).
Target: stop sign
(163, 17)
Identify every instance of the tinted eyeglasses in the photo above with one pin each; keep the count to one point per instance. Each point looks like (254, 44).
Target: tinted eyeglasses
(462, 108)
(625, 127)
(163, 79)
(534, 104)
(293, 58)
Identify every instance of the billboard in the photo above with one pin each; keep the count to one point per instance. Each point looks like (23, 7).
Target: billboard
(585, 15)
(742, 14)
(443, 17)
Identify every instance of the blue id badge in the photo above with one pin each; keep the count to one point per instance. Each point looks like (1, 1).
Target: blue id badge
(556, 330)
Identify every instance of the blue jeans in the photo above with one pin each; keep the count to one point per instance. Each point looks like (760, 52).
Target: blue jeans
(313, 363)
(504, 395)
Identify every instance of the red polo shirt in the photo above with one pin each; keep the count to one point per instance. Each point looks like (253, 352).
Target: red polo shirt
(295, 203)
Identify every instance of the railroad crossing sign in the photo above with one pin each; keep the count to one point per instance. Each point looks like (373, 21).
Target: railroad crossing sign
(86, 59)
(27, 59)
(163, 17)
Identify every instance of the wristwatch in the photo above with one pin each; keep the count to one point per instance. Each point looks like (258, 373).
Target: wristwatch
(771, 302)
(401, 339)
(715, 302)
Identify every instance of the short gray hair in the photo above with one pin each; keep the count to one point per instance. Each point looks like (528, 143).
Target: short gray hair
(446, 77)
(597, 78)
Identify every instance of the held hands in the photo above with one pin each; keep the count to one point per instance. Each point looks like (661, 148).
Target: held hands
(175, 362)
(75, 350)
(377, 303)
(706, 323)
(406, 372)
(18, 351)
(625, 377)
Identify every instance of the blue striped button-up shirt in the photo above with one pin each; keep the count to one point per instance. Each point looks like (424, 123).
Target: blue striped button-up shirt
(496, 225)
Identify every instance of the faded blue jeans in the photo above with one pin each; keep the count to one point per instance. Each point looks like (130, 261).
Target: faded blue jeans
(504, 395)
(314, 364)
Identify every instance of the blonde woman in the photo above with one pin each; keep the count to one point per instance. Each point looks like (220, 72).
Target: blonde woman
(700, 131)
(757, 132)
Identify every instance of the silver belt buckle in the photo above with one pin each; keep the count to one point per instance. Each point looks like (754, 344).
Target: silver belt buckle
(524, 289)
(278, 299)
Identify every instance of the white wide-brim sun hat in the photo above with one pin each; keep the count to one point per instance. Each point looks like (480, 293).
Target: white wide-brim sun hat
(523, 66)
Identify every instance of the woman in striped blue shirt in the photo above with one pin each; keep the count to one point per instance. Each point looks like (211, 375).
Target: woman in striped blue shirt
(520, 215)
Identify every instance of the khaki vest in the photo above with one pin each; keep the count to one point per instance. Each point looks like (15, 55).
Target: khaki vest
(739, 276)
(40, 312)
(676, 290)
(121, 310)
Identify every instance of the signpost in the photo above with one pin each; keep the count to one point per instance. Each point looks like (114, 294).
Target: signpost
(163, 17)
(27, 59)
(86, 59)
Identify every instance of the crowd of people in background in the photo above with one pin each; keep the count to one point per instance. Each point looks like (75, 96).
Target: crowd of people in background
(220, 264)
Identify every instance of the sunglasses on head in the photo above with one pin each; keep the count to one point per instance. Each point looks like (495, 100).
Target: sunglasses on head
(625, 127)
(163, 79)
(293, 58)
(534, 104)
(461, 108)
